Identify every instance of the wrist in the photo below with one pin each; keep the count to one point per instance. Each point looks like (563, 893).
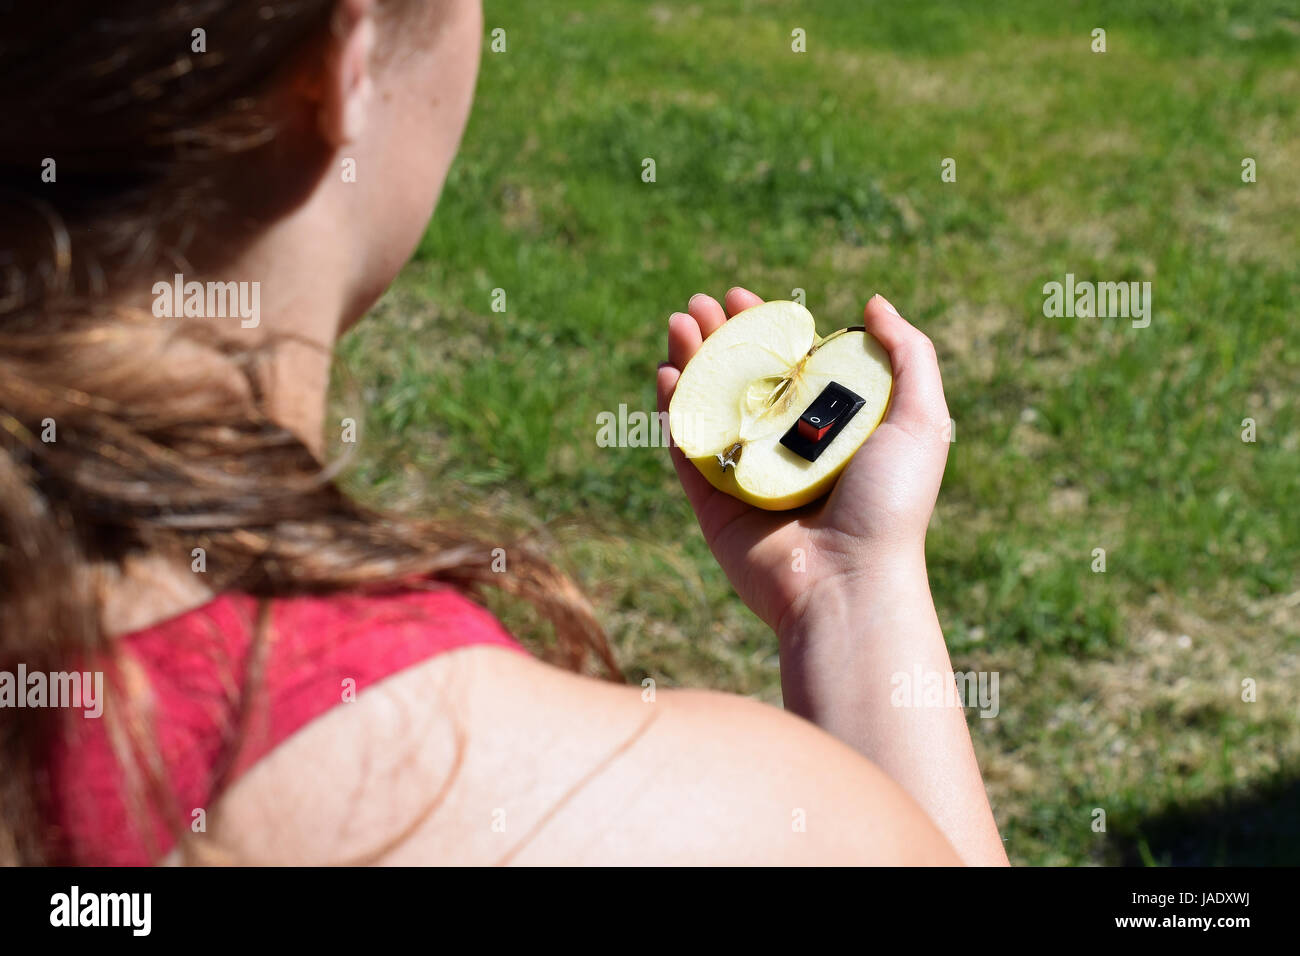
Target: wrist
(842, 645)
(868, 589)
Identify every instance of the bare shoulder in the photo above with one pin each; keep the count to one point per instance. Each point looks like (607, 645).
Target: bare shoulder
(487, 756)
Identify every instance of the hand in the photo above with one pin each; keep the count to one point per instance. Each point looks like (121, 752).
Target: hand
(875, 518)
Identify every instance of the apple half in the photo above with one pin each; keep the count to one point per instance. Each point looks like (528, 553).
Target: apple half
(761, 378)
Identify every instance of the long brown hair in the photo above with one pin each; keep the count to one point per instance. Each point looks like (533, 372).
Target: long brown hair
(105, 454)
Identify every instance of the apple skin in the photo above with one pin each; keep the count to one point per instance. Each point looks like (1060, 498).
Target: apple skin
(726, 481)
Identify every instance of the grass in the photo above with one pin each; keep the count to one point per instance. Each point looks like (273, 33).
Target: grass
(821, 171)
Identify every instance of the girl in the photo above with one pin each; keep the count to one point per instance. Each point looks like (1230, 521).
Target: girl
(289, 677)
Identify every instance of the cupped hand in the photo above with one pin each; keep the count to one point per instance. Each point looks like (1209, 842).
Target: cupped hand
(874, 518)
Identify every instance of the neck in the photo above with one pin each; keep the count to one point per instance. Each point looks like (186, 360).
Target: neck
(305, 303)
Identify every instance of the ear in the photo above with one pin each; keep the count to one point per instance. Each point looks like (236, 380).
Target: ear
(347, 86)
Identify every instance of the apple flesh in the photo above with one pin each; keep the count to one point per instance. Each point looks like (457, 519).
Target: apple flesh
(747, 388)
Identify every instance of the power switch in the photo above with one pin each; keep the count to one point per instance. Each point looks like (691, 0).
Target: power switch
(822, 421)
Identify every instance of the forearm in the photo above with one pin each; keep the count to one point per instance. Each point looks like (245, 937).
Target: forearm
(846, 661)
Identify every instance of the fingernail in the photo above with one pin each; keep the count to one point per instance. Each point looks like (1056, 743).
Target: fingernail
(697, 295)
(887, 304)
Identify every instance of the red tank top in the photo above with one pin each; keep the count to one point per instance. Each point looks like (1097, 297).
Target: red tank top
(190, 670)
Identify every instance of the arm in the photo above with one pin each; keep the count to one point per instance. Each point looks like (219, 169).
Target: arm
(862, 611)
(839, 662)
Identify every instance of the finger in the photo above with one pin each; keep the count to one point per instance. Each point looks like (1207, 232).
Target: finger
(918, 401)
(738, 300)
(684, 338)
(666, 384)
(707, 313)
(697, 487)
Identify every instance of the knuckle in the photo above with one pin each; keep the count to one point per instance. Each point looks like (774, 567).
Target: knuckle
(924, 346)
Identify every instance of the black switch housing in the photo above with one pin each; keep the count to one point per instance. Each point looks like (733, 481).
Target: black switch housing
(822, 421)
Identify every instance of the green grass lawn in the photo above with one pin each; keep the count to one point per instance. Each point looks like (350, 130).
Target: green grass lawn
(820, 171)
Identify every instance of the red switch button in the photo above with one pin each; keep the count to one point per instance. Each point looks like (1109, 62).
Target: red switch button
(822, 421)
(813, 430)
(820, 417)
